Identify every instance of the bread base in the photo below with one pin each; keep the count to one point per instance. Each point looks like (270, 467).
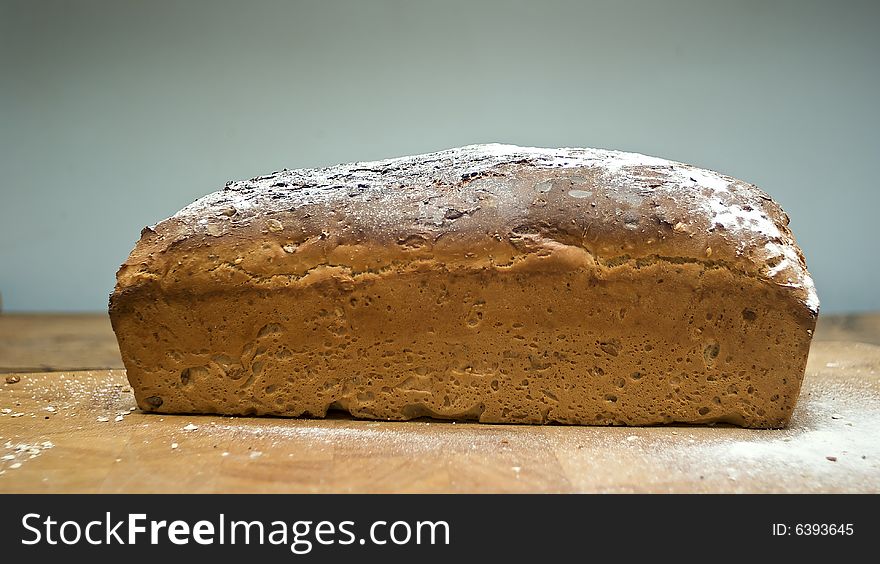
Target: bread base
(635, 343)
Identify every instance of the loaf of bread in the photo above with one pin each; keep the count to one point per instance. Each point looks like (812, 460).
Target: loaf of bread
(491, 282)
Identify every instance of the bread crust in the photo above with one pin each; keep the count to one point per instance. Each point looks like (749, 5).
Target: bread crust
(582, 230)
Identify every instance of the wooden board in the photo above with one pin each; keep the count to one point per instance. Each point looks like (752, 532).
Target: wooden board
(79, 446)
(45, 343)
(859, 328)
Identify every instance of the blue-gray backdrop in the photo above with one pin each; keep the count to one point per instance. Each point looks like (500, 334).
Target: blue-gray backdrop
(115, 114)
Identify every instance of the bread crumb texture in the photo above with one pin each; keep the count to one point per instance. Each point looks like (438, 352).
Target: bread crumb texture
(497, 283)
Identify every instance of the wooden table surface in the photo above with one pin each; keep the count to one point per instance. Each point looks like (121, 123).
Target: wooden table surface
(68, 424)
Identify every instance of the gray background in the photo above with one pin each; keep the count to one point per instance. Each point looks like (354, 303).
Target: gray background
(113, 115)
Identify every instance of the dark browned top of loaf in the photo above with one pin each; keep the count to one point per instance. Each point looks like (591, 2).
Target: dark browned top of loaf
(480, 206)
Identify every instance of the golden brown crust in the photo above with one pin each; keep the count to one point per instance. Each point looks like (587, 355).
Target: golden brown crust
(478, 206)
(553, 267)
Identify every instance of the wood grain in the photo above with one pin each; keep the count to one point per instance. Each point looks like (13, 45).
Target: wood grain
(45, 343)
(831, 446)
